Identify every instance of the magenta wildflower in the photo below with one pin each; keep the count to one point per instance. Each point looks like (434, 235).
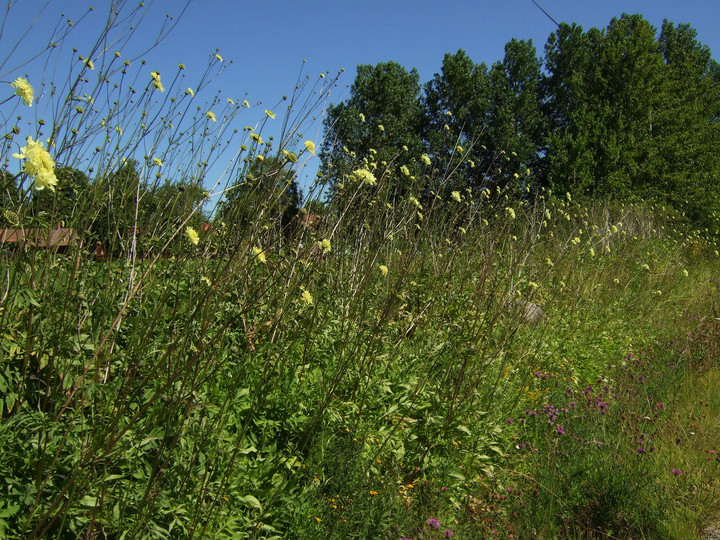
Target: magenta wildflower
(433, 523)
(448, 533)
(560, 429)
(677, 472)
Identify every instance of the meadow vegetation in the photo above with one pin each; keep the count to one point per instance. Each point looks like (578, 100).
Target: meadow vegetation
(423, 360)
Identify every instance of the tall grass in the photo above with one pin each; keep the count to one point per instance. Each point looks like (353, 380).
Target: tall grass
(365, 377)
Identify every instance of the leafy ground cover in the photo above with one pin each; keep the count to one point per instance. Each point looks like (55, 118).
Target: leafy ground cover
(411, 363)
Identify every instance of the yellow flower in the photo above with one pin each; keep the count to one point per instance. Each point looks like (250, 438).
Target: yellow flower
(257, 138)
(218, 57)
(259, 254)
(270, 113)
(413, 200)
(685, 272)
(510, 212)
(260, 157)
(310, 147)
(38, 164)
(24, 90)
(190, 92)
(230, 101)
(365, 176)
(292, 156)
(462, 230)
(384, 270)
(306, 297)
(381, 127)
(156, 81)
(89, 63)
(181, 66)
(192, 236)
(211, 116)
(245, 103)
(325, 245)
(425, 159)
(362, 117)
(645, 267)
(405, 170)
(459, 149)
(157, 162)
(456, 196)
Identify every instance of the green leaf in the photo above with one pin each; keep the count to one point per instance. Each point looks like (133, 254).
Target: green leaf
(88, 500)
(457, 474)
(251, 501)
(11, 510)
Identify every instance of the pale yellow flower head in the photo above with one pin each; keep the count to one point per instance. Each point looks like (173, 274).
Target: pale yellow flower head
(384, 270)
(365, 176)
(310, 147)
(24, 90)
(456, 195)
(325, 245)
(510, 212)
(211, 116)
(259, 255)
(306, 297)
(405, 170)
(192, 236)
(89, 63)
(190, 92)
(157, 161)
(246, 104)
(270, 113)
(218, 57)
(38, 164)
(362, 117)
(156, 81)
(425, 159)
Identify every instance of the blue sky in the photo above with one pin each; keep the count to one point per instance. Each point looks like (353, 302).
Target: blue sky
(268, 40)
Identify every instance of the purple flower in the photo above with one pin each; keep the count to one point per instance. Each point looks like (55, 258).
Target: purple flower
(676, 472)
(509, 421)
(448, 533)
(433, 523)
(560, 429)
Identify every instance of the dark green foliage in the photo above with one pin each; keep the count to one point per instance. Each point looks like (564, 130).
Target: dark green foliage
(388, 98)
(624, 112)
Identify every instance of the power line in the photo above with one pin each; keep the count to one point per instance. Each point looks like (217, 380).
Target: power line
(546, 13)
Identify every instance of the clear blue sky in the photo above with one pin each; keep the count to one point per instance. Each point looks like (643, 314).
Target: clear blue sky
(267, 40)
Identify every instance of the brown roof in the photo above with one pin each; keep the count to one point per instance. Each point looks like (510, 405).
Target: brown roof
(61, 237)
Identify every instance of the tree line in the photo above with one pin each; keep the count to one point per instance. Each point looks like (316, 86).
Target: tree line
(623, 112)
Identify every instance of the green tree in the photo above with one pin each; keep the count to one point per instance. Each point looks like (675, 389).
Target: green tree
(515, 122)
(265, 199)
(457, 101)
(384, 114)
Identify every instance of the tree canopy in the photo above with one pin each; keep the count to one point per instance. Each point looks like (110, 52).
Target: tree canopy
(626, 111)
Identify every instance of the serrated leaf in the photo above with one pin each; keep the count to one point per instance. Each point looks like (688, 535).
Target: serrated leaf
(457, 474)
